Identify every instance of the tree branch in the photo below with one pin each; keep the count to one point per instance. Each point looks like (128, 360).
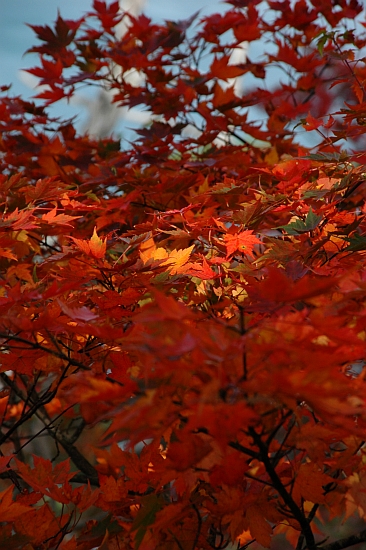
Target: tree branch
(346, 542)
(286, 497)
(242, 449)
(36, 345)
(37, 409)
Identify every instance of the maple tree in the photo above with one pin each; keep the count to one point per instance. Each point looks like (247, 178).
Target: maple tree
(183, 321)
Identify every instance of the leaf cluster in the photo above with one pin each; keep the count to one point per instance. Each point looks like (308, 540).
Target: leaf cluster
(183, 322)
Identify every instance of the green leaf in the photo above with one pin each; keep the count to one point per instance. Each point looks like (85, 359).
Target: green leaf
(145, 517)
(104, 525)
(321, 43)
(325, 36)
(299, 226)
(34, 274)
(294, 228)
(356, 243)
(221, 190)
(324, 157)
(315, 193)
(312, 220)
(161, 278)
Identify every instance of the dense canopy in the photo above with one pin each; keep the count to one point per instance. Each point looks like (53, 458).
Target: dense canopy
(183, 317)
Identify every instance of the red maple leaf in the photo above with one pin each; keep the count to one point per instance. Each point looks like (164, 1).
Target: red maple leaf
(243, 242)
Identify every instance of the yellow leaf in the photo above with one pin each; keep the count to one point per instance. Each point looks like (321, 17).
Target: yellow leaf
(97, 245)
(174, 260)
(147, 249)
(177, 259)
(160, 254)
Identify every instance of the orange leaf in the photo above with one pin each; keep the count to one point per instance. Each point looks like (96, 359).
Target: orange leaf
(177, 259)
(203, 272)
(10, 510)
(174, 260)
(21, 220)
(94, 247)
(147, 249)
(358, 91)
(97, 245)
(59, 219)
(5, 253)
(243, 242)
(83, 245)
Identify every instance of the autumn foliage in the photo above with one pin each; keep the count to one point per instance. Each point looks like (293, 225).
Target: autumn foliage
(183, 318)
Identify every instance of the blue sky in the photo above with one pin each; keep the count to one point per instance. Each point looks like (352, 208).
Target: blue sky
(16, 37)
